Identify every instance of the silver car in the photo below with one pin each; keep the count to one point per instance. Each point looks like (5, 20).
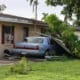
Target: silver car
(38, 46)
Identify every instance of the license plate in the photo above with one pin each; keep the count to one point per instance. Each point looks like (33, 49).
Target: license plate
(23, 53)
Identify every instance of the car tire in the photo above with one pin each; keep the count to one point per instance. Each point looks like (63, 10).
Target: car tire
(6, 51)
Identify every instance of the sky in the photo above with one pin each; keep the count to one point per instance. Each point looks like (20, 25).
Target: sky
(22, 8)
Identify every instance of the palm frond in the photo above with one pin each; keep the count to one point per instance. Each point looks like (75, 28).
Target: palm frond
(30, 1)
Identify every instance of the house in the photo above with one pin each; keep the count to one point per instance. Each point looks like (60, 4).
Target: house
(14, 29)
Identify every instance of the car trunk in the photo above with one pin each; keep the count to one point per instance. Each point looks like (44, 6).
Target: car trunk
(29, 46)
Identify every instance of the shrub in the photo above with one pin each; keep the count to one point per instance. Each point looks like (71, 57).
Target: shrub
(21, 67)
(65, 32)
(77, 49)
(69, 38)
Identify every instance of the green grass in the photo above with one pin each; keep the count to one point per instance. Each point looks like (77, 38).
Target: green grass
(48, 70)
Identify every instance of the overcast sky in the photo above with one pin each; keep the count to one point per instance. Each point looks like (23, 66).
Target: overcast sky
(22, 8)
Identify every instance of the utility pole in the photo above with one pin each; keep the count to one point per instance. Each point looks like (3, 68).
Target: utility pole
(35, 4)
(36, 9)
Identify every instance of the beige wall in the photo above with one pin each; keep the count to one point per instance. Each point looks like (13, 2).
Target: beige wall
(0, 33)
(33, 30)
(18, 34)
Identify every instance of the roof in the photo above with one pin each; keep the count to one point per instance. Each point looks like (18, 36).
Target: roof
(18, 19)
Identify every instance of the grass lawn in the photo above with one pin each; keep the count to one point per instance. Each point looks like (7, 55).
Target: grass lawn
(48, 70)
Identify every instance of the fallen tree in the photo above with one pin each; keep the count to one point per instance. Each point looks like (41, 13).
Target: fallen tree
(60, 30)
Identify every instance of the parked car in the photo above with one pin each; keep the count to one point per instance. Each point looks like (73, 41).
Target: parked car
(38, 46)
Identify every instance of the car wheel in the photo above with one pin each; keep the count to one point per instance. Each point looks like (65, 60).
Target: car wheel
(6, 51)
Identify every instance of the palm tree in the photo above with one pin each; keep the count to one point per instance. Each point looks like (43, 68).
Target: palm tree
(35, 6)
(2, 7)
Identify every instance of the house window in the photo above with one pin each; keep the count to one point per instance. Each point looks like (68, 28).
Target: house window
(43, 31)
(25, 32)
(7, 34)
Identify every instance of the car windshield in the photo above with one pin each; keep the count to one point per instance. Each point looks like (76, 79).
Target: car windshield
(34, 40)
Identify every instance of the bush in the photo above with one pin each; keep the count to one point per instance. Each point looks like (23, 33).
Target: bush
(77, 49)
(65, 32)
(22, 67)
(69, 38)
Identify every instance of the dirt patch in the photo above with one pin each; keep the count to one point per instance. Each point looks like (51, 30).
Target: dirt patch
(6, 62)
(36, 59)
(14, 59)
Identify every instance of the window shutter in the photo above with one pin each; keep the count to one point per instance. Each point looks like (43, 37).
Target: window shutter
(2, 41)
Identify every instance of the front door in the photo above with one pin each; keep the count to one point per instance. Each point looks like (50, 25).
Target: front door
(25, 32)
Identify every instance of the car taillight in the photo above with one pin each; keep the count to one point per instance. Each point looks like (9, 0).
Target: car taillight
(32, 48)
(36, 48)
(28, 48)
